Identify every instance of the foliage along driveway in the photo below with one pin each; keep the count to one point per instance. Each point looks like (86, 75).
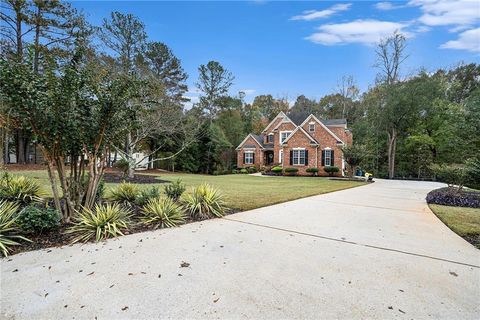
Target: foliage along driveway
(375, 251)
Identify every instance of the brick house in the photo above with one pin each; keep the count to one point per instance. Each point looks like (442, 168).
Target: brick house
(299, 140)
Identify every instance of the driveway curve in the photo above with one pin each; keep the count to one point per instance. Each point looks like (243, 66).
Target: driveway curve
(374, 252)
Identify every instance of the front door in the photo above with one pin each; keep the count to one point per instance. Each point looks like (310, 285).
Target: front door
(268, 157)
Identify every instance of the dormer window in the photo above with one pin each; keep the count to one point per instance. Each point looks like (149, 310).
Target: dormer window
(270, 138)
(311, 127)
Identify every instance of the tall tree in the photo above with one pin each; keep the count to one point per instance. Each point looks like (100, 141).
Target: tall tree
(390, 55)
(125, 35)
(166, 67)
(214, 81)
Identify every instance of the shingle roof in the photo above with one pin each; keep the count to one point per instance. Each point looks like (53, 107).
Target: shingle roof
(332, 122)
(299, 117)
(259, 138)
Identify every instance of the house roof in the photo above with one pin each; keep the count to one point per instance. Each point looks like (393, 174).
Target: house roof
(299, 128)
(280, 115)
(298, 118)
(258, 139)
(324, 126)
(334, 122)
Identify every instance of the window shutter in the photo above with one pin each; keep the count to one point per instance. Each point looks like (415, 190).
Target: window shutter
(323, 158)
(332, 162)
(306, 157)
(291, 157)
(253, 158)
(244, 155)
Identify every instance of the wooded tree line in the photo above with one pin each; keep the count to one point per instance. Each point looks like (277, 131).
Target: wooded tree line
(404, 122)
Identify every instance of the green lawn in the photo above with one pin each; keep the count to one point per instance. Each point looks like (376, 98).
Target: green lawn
(463, 221)
(242, 192)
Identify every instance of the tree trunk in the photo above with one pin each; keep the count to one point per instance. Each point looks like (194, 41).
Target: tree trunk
(20, 147)
(6, 151)
(392, 146)
(130, 159)
(53, 181)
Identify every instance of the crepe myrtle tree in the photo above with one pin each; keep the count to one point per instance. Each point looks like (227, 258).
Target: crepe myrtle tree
(74, 112)
(353, 155)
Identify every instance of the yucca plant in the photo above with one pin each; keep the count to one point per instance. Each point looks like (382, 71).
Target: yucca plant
(125, 192)
(102, 222)
(9, 230)
(204, 202)
(20, 189)
(163, 212)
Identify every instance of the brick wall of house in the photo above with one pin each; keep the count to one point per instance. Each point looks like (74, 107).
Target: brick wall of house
(288, 126)
(325, 139)
(258, 154)
(300, 140)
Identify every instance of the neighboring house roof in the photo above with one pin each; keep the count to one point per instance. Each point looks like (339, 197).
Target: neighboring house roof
(324, 126)
(257, 138)
(304, 132)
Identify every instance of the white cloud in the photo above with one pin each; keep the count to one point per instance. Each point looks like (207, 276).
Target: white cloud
(366, 32)
(448, 12)
(322, 14)
(468, 40)
(248, 91)
(386, 6)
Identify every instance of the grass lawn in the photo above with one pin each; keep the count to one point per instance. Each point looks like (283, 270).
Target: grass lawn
(463, 221)
(242, 192)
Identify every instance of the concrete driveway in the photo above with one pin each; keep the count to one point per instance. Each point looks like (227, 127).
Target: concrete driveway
(374, 251)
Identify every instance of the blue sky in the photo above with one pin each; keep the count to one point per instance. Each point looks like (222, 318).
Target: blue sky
(292, 48)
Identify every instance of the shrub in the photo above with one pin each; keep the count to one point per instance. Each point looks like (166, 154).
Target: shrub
(313, 171)
(122, 165)
(9, 230)
(277, 169)
(252, 169)
(445, 197)
(163, 212)
(291, 171)
(204, 202)
(175, 189)
(243, 171)
(125, 192)
(454, 175)
(473, 173)
(147, 194)
(101, 222)
(331, 170)
(234, 171)
(38, 220)
(19, 189)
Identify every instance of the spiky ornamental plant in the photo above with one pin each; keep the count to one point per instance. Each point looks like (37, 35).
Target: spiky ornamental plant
(101, 222)
(9, 231)
(125, 192)
(163, 212)
(205, 202)
(20, 189)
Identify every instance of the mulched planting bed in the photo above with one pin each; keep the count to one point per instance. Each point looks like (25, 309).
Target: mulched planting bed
(117, 177)
(446, 197)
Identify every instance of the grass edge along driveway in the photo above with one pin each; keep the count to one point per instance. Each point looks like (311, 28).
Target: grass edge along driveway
(242, 192)
(462, 220)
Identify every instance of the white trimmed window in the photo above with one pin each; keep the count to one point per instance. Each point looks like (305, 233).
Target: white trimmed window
(311, 127)
(298, 157)
(284, 135)
(249, 157)
(328, 157)
(270, 138)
